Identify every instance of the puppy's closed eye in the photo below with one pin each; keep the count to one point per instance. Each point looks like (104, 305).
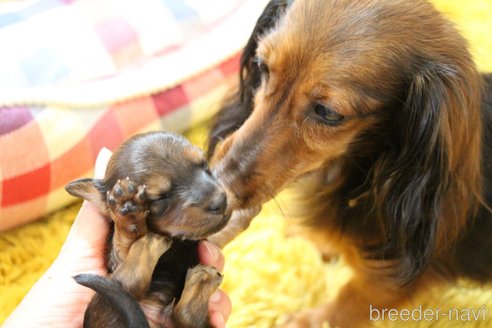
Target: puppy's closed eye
(163, 197)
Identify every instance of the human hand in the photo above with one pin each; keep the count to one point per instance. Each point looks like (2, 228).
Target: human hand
(56, 300)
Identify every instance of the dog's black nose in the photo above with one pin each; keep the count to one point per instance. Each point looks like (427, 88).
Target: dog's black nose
(218, 204)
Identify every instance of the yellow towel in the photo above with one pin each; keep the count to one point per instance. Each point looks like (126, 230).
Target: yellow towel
(267, 274)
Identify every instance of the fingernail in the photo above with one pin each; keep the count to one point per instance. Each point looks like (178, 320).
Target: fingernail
(217, 320)
(215, 298)
(220, 321)
(212, 249)
(104, 152)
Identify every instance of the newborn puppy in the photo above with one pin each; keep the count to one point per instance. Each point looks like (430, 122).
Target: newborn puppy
(162, 199)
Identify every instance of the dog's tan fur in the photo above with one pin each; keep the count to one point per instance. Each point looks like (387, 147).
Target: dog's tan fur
(397, 185)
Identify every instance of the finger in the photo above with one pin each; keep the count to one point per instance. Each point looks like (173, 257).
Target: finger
(89, 224)
(219, 308)
(210, 254)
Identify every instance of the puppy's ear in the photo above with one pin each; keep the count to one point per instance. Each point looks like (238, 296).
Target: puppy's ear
(239, 106)
(429, 181)
(90, 190)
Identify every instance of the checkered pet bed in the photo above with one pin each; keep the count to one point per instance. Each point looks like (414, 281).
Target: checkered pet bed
(78, 75)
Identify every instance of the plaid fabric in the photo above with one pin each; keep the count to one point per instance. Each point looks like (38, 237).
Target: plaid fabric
(81, 75)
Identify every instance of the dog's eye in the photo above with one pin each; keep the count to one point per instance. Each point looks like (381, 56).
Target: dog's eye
(262, 67)
(327, 115)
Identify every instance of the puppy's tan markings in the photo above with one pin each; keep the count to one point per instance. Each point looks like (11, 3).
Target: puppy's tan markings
(156, 185)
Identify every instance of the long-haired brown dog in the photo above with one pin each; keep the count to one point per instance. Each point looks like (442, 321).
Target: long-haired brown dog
(379, 108)
(161, 198)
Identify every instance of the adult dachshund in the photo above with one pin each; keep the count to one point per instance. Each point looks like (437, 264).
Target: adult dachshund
(378, 106)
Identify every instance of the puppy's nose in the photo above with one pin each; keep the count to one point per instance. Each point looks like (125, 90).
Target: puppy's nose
(218, 204)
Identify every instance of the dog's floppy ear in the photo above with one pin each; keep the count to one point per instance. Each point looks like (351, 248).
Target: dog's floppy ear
(238, 107)
(90, 190)
(429, 180)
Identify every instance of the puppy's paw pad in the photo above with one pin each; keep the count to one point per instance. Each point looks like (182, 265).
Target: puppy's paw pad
(127, 201)
(127, 195)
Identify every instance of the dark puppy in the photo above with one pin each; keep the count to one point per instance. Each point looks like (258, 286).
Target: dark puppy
(379, 108)
(162, 199)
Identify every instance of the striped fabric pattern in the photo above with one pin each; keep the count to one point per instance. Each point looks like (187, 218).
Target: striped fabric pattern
(85, 74)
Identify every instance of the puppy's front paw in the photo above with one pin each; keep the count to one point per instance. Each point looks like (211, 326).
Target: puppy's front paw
(127, 204)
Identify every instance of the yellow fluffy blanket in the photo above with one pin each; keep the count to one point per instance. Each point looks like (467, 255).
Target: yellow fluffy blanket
(267, 274)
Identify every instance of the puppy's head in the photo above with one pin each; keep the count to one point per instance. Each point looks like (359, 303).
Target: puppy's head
(380, 96)
(183, 196)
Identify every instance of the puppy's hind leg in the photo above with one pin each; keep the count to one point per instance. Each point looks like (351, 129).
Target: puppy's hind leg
(116, 301)
(135, 273)
(192, 309)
